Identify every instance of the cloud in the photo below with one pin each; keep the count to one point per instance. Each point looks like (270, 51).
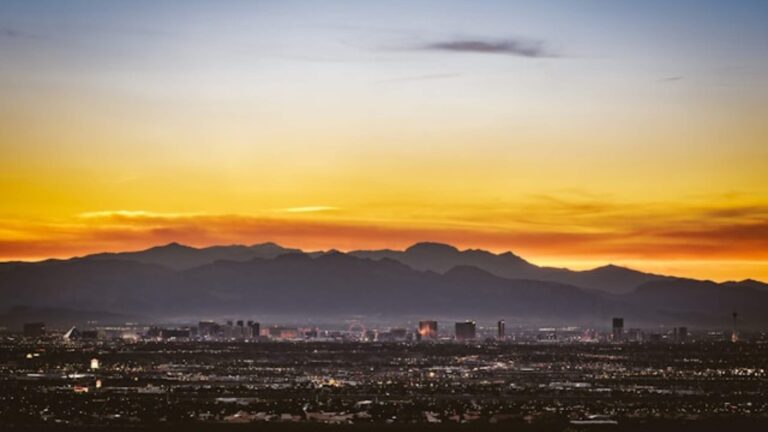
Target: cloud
(134, 214)
(6, 32)
(514, 47)
(672, 78)
(309, 209)
(587, 228)
(565, 226)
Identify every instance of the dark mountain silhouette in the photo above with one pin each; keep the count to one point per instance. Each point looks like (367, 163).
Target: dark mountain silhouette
(180, 257)
(686, 300)
(436, 257)
(440, 258)
(751, 283)
(333, 284)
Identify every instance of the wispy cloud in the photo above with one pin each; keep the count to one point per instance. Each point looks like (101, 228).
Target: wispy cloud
(309, 209)
(11, 33)
(589, 228)
(135, 214)
(514, 47)
(672, 78)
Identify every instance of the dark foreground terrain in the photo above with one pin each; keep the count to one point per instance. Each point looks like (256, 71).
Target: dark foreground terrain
(309, 386)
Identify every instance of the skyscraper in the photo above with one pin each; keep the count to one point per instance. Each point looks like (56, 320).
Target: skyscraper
(428, 330)
(618, 329)
(465, 330)
(255, 329)
(501, 330)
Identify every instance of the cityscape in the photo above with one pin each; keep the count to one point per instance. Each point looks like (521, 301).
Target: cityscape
(232, 373)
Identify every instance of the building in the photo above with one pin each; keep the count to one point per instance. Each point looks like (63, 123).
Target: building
(174, 333)
(394, 334)
(634, 335)
(207, 329)
(255, 329)
(618, 329)
(72, 333)
(654, 338)
(466, 330)
(36, 329)
(501, 330)
(228, 331)
(681, 334)
(398, 333)
(279, 332)
(428, 330)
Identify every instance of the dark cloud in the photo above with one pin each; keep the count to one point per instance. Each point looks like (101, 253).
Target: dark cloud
(514, 47)
(6, 32)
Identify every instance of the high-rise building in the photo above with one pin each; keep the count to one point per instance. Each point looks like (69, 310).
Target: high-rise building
(228, 332)
(681, 334)
(501, 330)
(428, 330)
(36, 329)
(238, 331)
(618, 329)
(207, 329)
(465, 330)
(255, 329)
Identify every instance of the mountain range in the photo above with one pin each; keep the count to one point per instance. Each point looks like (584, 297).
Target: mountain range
(426, 279)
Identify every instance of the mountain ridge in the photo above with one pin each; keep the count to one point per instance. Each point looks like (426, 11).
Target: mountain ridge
(427, 279)
(427, 255)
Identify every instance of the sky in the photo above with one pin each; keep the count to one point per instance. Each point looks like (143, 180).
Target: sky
(573, 133)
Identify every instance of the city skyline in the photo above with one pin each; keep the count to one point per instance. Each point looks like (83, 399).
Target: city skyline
(573, 134)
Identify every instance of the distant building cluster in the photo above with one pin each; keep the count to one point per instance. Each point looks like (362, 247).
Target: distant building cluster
(424, 331)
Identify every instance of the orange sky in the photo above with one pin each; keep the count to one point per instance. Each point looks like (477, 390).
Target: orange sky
(708, 242)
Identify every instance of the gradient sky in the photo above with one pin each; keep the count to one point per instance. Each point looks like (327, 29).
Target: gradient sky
(574, 133)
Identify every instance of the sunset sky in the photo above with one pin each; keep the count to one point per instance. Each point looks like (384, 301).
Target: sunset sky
(574, 133)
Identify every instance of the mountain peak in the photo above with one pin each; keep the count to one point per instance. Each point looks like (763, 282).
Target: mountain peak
(613, 268)
(267, 245)
(431, 247)
(172, 246)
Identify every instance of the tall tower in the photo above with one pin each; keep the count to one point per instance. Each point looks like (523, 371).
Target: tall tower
(734, 333)
(501, 330)
(618, 329)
